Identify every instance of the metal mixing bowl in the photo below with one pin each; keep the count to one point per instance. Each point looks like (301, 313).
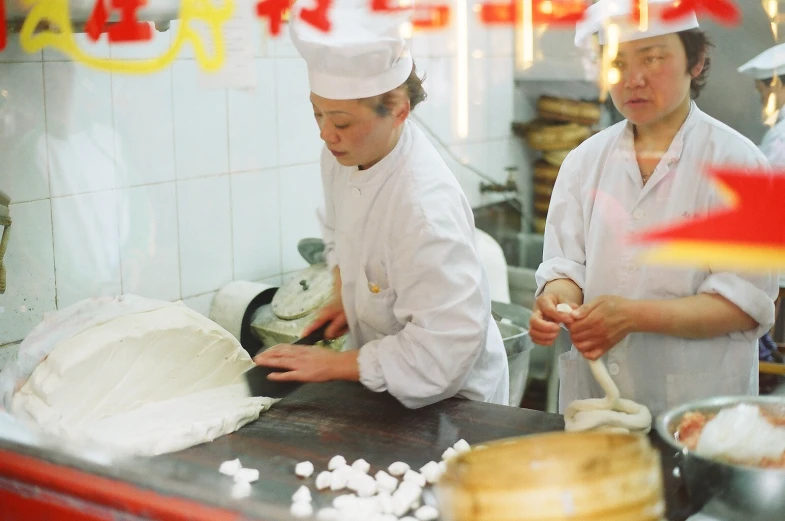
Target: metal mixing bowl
(744, 492)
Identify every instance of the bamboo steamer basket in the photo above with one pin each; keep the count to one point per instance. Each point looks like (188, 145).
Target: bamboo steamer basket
(545, 172)
(564, 109)
(546, 136)
(556, 157)
(543, 190)
(593, 476)
(538, 224)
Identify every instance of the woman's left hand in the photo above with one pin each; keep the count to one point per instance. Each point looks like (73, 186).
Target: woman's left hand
(600, 325)
(309, 364)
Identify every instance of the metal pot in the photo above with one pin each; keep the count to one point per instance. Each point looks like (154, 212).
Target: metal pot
(737, 491)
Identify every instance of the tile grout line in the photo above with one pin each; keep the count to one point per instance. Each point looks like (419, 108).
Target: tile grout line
(176, 185)
(49, 179)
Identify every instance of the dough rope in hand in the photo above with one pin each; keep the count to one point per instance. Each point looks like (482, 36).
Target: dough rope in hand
(611, 413)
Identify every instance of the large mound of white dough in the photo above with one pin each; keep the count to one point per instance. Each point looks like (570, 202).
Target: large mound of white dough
(146, 382)
(741, 433)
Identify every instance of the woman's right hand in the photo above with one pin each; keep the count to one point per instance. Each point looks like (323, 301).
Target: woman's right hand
(544, 324)
(332, 313)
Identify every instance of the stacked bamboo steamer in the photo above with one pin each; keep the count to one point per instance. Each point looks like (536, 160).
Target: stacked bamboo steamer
(594, 476)
(561, 125)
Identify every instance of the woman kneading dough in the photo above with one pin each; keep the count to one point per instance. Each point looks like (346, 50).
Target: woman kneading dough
(410, 286)
(668, 335)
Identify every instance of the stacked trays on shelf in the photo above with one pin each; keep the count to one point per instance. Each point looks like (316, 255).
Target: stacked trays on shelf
(561, 125)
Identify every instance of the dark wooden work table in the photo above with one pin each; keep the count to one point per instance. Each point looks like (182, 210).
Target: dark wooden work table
(314, 424)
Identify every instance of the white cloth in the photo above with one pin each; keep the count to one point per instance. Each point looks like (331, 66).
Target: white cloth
(599, 199)
(767, 64)
(618, 13)
(363, 54)
(405, 226)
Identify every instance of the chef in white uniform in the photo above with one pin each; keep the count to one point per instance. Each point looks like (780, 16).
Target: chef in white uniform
(768, 70)
(411, 286)
(668, 335)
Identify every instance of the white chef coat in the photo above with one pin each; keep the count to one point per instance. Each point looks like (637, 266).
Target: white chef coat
(598, 199)
(773, 144)
(773, 147)
(405, 226)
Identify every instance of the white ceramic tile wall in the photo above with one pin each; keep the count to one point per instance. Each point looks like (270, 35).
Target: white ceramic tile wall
(157, 186)
(31, 271)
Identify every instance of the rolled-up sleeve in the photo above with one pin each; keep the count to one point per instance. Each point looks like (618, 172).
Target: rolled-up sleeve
(327, 214)
(564, 249)
(437, 278)
(753, 294)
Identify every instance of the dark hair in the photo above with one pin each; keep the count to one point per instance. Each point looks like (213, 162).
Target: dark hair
(696, 45)
(384, 103)
(770, 81)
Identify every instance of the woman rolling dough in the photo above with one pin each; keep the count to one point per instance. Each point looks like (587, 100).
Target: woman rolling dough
(409, 283)
(668, 335)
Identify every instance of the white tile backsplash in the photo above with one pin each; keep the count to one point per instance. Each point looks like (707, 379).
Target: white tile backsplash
(256, 225)
(30, 268)
(149, 241)
(201, 303)
(298, 134)
(204, 214)
(144, 123)
(80, 130)
(24, 173)
(301, 197)
(86, 246)
(13, 52)
(253, 122)
(200, 125)
(162, 187)
(97, 49)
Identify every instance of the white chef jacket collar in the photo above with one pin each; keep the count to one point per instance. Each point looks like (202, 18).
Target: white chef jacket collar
(677, 145)
(388, 164)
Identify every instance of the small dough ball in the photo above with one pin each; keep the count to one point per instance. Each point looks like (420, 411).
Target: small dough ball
(361, 466)
(323, 480)
(563, 308)
(461, 446)
(247, 475)
(449, 454)
(398, 469)
(431, 472)
(303, 494)
(304, 469)
(230, 468)
(336, 462)
(327, 514)
(414, 477)
(301, 509)
(426, 513)
(241, 489)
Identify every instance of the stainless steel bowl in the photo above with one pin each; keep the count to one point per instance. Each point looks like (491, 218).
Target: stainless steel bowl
(742, 492)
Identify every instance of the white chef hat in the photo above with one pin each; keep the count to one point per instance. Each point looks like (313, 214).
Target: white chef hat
(364, 53)
(767, 64)
(600, 15)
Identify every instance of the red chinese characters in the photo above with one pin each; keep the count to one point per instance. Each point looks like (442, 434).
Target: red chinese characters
(128, 29)
(725, 11)
(273, 10)
(550, 12)
(3, 36)
(423, 16)
(317, 16)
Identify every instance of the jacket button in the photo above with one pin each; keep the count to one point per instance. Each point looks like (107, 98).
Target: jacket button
(356, 191)
(613, 369)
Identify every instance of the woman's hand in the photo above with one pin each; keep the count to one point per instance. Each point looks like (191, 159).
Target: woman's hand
(598, 326)
(332, 313)
(544, 323)
(309, 364)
